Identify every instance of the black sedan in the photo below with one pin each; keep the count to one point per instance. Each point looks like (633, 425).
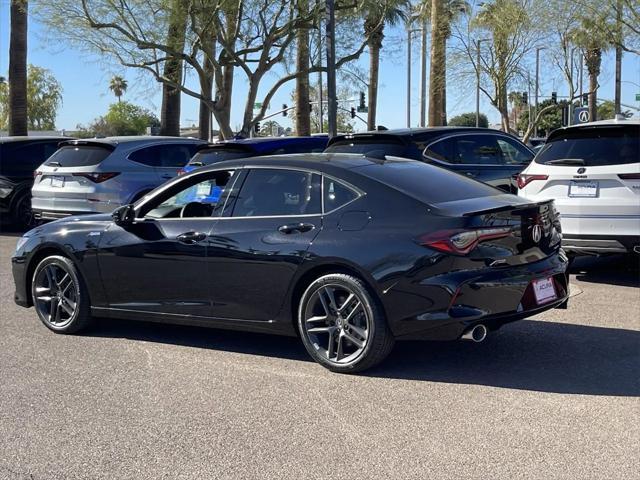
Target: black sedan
(348, 252)
(484, 154)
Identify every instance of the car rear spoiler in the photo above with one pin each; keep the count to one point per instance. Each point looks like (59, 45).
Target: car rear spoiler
(87, 143)
(485, 205)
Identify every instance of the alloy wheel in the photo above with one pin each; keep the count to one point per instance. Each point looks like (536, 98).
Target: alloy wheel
(55, 295)
(337, 324)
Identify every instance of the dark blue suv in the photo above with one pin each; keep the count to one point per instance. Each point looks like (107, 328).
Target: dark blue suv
(253, 147)
(487, 155)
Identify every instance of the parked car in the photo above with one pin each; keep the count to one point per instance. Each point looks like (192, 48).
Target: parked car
(100, 174)
(252, 147)
(487, 155)
(19, 157)
(592, 171)
(347, 251)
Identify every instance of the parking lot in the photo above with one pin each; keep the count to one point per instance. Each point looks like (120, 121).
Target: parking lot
(555, 396)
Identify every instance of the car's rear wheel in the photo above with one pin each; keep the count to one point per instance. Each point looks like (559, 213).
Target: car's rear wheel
(60, 296)
(342, 325)
(22, 215)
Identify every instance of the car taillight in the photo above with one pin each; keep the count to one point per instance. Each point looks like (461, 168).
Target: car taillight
(461, 242)
(629, 176)
(524, 179)
(97, 177)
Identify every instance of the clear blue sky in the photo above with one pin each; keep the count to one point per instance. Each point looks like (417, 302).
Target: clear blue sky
(85, 80)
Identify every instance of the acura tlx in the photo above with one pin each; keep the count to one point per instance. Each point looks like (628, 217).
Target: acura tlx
(348, 252)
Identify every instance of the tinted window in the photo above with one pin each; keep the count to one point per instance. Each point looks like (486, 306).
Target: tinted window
(594, 146)
(208, 194)
(336, 194)
(215, 155)
(170, 155)
(269, 192)
(513, 153)
(20, 159)
(428, 183)
(475, 149)
(373, 147)
(78, 156)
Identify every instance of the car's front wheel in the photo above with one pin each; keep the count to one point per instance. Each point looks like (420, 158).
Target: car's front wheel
(60, 296)
(342, 325)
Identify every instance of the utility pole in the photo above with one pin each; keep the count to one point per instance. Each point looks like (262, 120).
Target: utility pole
(409, 73)
(330, 30)
(572, 91)
(423, 75)
(581, 69)
(535, 113)
(617, 98)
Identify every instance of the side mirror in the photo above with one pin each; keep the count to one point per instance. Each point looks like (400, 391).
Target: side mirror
(124, 215)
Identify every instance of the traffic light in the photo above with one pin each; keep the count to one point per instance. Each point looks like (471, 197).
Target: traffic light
(284, 109)
(310, 107)
(554, 97)
(256, 128)
(362, 100)
(353, 112)
(585, 99)
(525, 98)
(565, 115)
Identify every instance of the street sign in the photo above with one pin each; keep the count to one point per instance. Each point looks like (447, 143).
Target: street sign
(580, 115)
(257, 105)
(363, 109)
(637, 97)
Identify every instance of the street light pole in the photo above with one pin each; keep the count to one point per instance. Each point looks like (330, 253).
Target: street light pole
(330, 29)
(572, 92)
(535, 113)
(409, 73)
(478, 60)
(423, 75)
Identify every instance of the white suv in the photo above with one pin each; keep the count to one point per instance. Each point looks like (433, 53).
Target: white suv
(100, 174)
(592, 171)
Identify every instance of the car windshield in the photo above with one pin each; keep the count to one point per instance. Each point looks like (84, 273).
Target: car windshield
(215, 155)
(372, 147)
(427, 183)
(598, 146)
(78, 156)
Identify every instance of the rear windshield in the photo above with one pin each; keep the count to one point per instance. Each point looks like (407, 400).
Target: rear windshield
(78, 156)
(371, 147)
(616, 145)
(215, 155)
(427, 183)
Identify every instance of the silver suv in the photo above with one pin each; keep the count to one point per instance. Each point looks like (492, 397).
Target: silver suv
(100, 174)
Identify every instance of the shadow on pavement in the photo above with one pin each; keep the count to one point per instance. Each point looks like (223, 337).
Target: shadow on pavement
(528, 355)
(622, 270)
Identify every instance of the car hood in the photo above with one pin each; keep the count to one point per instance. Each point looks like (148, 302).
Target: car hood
(76, 222)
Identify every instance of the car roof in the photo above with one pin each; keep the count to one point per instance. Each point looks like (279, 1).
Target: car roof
(264, 143)
(407, 134)
(33, 138)
(594, 125)
(120, 140)
(313, 161)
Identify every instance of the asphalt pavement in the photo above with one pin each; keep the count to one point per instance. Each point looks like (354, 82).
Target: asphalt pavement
(554, 396)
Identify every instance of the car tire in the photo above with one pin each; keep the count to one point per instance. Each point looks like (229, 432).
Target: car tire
(342, 325)
(60, 295)
(21, 213)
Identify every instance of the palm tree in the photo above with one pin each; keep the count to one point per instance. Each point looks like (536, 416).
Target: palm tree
(118, 86)
(594, 42)
(377, 15)
(303, 115)
(442, 14)
(170, 109)
(18, 68)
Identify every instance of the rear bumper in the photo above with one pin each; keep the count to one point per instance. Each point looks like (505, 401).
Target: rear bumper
(492, 297)
(600, 244)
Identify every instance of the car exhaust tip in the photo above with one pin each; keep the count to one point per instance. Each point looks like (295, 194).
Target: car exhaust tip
(476, 334)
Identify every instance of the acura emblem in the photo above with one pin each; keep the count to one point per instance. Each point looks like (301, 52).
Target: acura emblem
(582, 170)
(536, 233)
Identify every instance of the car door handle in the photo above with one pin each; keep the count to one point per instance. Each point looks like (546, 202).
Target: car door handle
(296, 228)
(191, 238)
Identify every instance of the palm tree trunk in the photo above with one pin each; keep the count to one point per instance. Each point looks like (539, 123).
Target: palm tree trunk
(437, 69)
(374, 73)
(303, 114)
(18, 68)
(206, 85)
(170, 111)
(443, 88)
(593, 59)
